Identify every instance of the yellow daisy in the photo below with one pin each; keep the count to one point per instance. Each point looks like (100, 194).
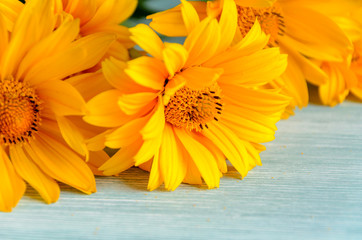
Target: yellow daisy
(345, 77)
(101, 16)
(34, 99)
(297, 29)
(180, 113)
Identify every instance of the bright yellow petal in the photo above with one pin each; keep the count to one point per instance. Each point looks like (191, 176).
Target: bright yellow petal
(113, 70)
(189, 15)
(61, 163)
(135, 103)
(202, 42)
(12, 187)
(73, 136)
(311, 70)
(127, 134)
(323, 41)
(174, 57)
(28, 170)
(103, 110)
(61, 97)
(253, 70)
(89, 84)
(258, 100)
(198, 78)
(148, 40)
(202, 158)
(56, 41)
(230, 145)
(10, 10)
(4, 37)
(171, 23)
(147, 72)
(122, 160)
(97, 159)
(335, 90)
(155, 179)
(78, 56)
(171, 162)
(228, 24)
(35, 21)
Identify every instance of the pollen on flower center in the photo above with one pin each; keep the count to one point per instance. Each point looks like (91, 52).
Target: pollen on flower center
(271, 21)
(19, 112)
(193, 109)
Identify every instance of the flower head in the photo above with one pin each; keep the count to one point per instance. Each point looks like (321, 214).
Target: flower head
(180, 113)
(35, 102)
(344, 77)
(294, 26)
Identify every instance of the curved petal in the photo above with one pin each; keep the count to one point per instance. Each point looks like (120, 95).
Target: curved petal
(335, 90)
(10, 10)
(61, 163)
(103, 110)
(28, 170)
(73, 136)
(114, 72)
(134, 103)
(202, 42)
(147, 72)
(171, 163)
(201, 77)
(148, 40)
(174, 57)
(189, 15)
(202, 158)
(61, 97)
(122, 160)
(78, 56)
(171, 23)
(89, 84)
(35, 21)
(255, 69)
(323, 41)
(12, 187)
(55, 42)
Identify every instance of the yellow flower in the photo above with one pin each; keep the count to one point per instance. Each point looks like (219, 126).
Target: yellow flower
(182, 112)
(345, 77)
(100, 16)
(34, 101)
(297, 29)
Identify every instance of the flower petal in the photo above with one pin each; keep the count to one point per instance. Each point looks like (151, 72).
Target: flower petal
(171, 162)
(148, 40)
(61, 163)
(147, 71)
(201, 156)
(28, 170)
(61, 97)
(12, 187)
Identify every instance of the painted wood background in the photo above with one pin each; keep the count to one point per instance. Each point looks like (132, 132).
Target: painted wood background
(310, 187)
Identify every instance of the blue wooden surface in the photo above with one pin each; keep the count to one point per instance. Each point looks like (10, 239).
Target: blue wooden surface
(310, 187)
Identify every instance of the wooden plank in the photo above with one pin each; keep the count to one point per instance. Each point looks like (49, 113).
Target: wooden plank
(310, 186)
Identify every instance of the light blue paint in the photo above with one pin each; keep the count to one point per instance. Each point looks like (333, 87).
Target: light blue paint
(314, 195)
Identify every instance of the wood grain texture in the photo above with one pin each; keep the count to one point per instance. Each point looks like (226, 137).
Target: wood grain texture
(310, 187)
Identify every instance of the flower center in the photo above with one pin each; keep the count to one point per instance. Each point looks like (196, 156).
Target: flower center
(271, 21)
(193, 109)
(19, 112)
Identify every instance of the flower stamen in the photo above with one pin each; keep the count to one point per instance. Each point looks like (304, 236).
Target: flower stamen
(193, 109)
(19, 112)
(271, 21)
